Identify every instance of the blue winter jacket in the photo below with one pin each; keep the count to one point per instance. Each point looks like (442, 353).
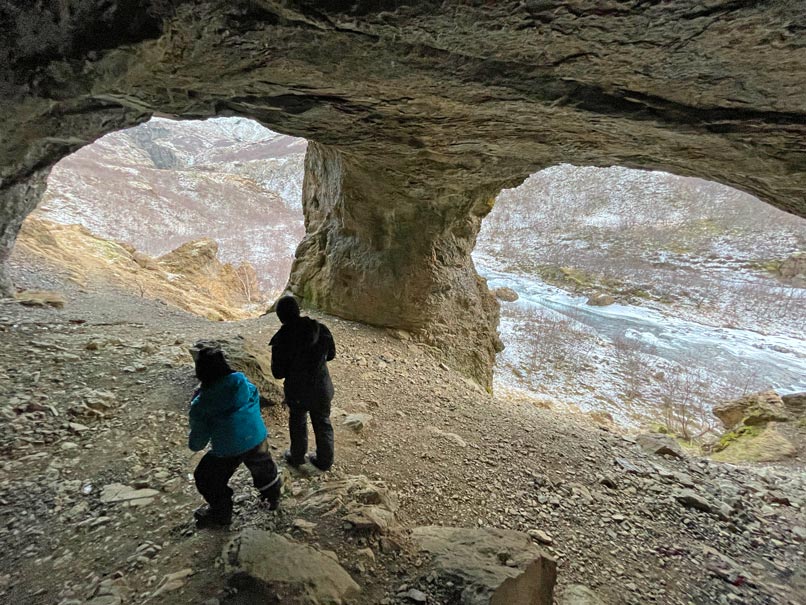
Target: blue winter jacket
(227, 414)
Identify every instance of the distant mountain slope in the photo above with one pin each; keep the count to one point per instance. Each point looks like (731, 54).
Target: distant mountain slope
(648, 237)
(707, 308)
(190, 278)
(164, 183)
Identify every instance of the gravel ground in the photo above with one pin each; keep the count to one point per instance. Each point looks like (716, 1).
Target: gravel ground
(95, 394)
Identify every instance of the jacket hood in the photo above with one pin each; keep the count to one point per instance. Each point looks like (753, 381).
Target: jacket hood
(303, 330)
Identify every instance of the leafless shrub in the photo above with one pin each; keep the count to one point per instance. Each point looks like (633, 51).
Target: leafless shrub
(248, 280)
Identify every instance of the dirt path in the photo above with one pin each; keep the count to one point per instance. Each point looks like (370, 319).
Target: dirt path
(454, 455)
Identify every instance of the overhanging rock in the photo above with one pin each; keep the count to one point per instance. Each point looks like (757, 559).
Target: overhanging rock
(422, 112)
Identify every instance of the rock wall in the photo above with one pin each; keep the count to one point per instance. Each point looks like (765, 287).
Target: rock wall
(453, 100)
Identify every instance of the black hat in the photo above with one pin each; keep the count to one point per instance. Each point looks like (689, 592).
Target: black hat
(287, 309)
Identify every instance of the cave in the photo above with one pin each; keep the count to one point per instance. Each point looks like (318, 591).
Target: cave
(418, 115)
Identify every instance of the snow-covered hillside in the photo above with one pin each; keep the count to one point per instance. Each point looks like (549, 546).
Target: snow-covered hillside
(164, 183)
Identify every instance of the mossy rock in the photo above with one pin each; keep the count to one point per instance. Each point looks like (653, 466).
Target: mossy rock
(754, 444)
(737, 433)
(755, 409)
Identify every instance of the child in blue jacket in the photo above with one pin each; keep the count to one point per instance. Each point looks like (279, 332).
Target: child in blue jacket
(226, 413)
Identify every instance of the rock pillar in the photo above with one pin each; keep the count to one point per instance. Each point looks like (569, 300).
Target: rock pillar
(390, 247)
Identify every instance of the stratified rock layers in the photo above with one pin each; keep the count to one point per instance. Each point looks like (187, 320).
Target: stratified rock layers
(422, 113)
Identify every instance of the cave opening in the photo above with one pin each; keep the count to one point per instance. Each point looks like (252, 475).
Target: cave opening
(614, 268)
(644, 295)
(202, 215)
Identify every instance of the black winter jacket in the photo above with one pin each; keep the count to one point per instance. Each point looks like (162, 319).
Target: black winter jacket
(300, 351)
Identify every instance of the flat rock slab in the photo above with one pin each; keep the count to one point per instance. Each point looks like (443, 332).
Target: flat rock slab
(117, 492)
(489, 566)
(366, 505)
(578, 594)
(276, 570)
(691, 499)
(40, 298)
(446, 435)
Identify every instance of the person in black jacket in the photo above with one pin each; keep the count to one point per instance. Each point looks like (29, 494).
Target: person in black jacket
(300, 351)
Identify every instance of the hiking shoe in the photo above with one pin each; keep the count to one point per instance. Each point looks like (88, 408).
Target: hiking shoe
(271, 495)
(291, 460)
(315, 461)
(209, 517)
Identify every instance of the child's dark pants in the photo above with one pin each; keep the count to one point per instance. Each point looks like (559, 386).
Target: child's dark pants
(213, 474)
(322, 430)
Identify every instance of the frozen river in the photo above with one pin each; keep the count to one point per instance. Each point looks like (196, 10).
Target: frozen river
(778, 361)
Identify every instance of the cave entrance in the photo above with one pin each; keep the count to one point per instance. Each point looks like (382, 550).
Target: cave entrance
(644, 294)
(203, 215)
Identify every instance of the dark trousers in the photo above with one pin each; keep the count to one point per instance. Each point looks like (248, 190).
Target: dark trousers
(214, 472)
(322, 430)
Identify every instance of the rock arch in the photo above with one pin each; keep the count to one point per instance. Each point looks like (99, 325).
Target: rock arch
(420, 112)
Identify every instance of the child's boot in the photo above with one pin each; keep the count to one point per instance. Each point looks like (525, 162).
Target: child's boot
(271, 494)
(206, 516)
(291, 460)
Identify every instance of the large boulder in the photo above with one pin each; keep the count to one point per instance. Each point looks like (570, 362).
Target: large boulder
(506, 294)
(601, 300)
(489, 566)
(661, 445)
(270, 568)
(754, 444)
(253, 358)
(755, 409)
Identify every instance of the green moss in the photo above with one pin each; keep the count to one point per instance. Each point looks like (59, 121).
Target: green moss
(737, 433)
(770, 265)
(572, 278)
(754, 444)
(576, 276)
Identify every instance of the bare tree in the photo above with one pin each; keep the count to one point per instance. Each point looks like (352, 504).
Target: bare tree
(248, 279)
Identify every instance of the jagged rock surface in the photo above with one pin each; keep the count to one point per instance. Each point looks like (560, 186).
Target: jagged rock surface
(268, 566)
(428, 110)
(489, 566)
(762, 427)
(755, 409)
